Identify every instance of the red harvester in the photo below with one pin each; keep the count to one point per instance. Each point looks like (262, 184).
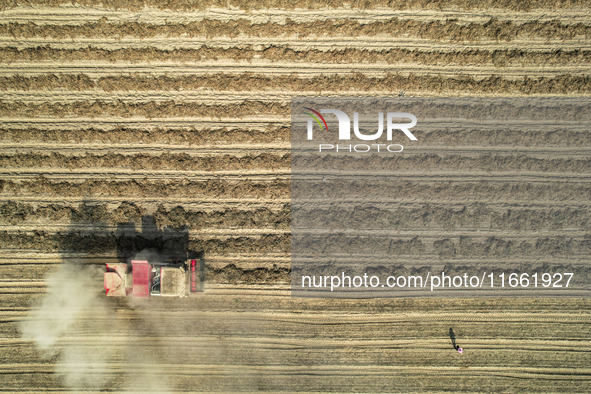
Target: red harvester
(144, 279)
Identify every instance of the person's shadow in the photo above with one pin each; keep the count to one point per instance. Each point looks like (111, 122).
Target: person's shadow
(452, 336)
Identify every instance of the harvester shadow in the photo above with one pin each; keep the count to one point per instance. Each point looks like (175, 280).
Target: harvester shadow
(88, 240)
(166, 243)
(86, 236)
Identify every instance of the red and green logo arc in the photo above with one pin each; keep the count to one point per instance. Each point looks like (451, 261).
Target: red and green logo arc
(317, 117)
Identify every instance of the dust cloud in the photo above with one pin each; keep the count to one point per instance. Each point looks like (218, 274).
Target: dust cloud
(74, 325)
(61, 315)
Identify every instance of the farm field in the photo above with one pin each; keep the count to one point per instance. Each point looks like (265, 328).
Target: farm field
(119, 115)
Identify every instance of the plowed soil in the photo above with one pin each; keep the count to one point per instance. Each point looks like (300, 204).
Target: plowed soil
(115, 111)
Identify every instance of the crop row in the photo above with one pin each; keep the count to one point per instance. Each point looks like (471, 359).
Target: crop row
(509, 136)
(285, 53)
(467, 247)
(449, 30)
(424, 190)
(399, 216)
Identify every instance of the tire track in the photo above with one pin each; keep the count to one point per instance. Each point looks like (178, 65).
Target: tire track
(100, 68)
